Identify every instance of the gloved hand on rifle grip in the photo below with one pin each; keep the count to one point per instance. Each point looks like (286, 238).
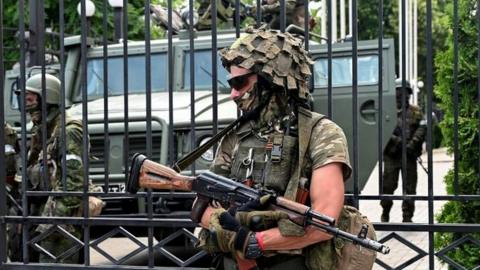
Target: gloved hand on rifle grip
(232, 237)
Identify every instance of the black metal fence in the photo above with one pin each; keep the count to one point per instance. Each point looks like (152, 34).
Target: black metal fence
(151, 232)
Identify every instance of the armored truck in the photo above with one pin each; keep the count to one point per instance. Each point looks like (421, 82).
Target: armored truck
(366, 115)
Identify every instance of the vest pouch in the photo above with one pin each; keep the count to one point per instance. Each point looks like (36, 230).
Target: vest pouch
(278, 173)
(350, 256)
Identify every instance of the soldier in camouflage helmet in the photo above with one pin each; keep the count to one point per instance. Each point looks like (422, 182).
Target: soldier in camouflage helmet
(283, 147)
(415, 131)
(63, 206)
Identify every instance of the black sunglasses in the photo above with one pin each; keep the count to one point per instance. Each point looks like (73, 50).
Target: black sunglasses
(238, 82)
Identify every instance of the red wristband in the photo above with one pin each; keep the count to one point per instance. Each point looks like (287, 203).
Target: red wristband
(259, 237)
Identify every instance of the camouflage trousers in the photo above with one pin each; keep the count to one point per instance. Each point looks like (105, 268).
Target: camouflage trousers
(58, 245)
(391, 173)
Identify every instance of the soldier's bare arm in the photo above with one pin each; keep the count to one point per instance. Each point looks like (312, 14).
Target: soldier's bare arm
(327, 198)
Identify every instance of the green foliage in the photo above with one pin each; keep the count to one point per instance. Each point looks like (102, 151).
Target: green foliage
(468, 124)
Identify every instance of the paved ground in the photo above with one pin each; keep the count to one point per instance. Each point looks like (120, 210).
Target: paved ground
(400, 253)
(119, 247)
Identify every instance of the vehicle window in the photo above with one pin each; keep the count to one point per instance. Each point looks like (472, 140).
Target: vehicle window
(203, 71)
(136, 75)
(342, 71)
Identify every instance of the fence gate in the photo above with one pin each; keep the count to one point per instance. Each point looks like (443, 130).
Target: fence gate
(145, 77)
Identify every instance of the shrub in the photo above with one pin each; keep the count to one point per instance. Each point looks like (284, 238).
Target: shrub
(468, 254)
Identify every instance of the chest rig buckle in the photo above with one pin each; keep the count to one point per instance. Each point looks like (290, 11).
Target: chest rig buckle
(277, 147)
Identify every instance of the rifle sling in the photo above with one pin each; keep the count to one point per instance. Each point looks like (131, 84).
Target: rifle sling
(184, 162)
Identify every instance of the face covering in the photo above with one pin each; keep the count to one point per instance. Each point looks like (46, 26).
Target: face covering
(249, 100)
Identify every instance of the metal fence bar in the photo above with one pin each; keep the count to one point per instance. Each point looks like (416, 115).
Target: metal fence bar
(106, 139)
(40, 52)
(356, 190)
(148, 91)
(283, 12)
(3, 191)
(171, 153)
(126, 143)
(259, 13)
(237, 18)
(306, 25)
(214, 69)
(403, 73)
(23, 120)
(429, 89)
(85, 140)
(329, 59)
(192, 77)
(63, 133)
(380, 98)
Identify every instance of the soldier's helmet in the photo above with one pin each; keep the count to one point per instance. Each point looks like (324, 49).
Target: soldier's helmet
(408, 85)
(52, 87)
(277, 57)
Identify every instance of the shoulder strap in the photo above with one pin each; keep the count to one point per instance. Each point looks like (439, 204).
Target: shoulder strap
(184, 162)
(307, 120)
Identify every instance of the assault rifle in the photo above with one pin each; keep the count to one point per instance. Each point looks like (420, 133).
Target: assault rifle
(145, 173)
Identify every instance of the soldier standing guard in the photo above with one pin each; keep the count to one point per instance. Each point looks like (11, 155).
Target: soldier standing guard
(415, 130)
(287, 149)
(61, 206)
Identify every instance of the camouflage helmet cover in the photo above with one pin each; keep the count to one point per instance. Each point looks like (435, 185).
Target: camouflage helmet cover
(52, 87)
(277, 57)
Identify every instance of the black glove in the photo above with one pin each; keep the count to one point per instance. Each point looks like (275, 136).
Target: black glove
(232, 237)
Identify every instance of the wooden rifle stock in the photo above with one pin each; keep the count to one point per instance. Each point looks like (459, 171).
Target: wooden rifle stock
(145, 173)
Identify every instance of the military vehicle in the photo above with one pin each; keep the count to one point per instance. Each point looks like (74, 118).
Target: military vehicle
(172, 206)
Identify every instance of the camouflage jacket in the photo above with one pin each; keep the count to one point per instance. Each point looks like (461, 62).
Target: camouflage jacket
(63, 205)
(415, 130)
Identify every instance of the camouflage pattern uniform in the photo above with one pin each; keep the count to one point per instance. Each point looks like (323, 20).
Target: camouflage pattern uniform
(295, 13)
(14, 241)
(415, 133)
(274, 147)
(62, 206)
(58, 206)
(225, 11)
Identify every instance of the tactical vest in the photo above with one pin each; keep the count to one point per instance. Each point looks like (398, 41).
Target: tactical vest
(274, 161)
